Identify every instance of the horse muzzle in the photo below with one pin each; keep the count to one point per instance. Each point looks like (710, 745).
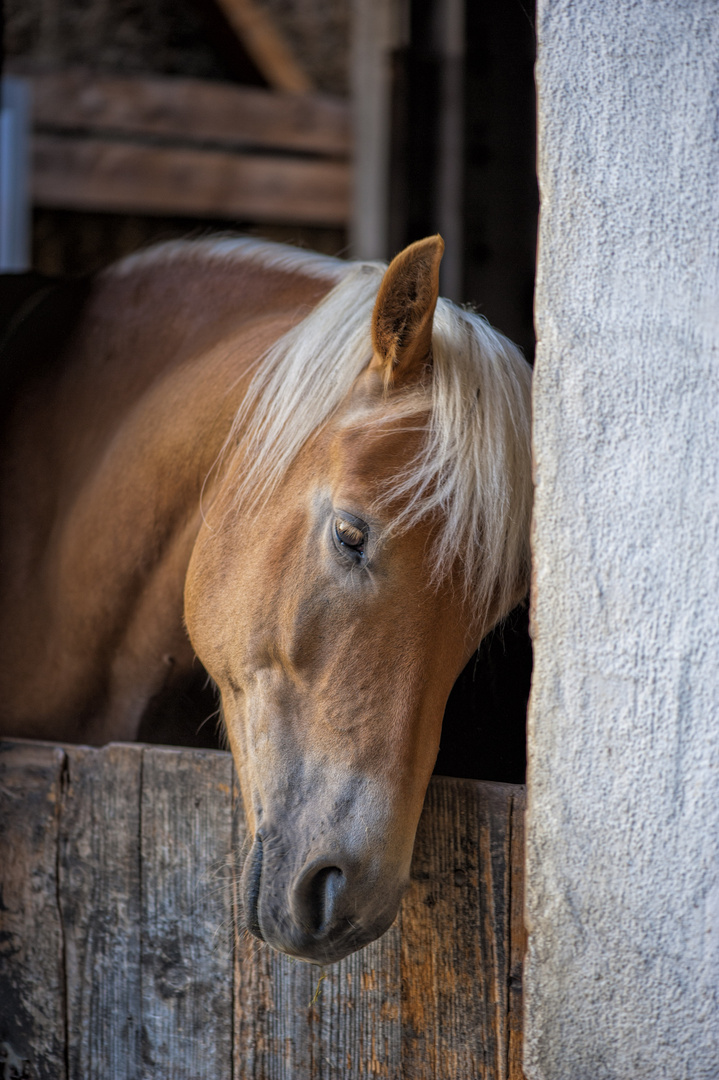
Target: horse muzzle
(321, 910)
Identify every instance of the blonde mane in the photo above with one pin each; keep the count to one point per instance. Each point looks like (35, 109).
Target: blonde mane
(229, 249)
(475, 465)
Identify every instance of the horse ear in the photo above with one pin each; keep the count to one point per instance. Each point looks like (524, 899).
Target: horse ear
(404, 310)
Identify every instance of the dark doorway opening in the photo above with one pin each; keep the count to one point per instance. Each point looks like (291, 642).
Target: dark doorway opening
(475, 98)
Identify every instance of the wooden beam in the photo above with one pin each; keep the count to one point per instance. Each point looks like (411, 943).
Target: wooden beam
(517, 936)
(96, 174)
(266, 45)
(191, 110)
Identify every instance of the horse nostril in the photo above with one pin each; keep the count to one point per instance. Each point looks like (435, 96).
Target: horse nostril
(320, 893)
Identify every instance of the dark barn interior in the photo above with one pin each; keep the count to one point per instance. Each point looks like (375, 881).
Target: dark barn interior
(480, 94)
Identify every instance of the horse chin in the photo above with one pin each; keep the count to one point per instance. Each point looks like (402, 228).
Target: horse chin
(320, 913)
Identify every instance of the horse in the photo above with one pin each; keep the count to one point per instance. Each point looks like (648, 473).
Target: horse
(314, 476)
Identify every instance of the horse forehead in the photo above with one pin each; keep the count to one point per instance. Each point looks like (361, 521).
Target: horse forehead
(372, 448)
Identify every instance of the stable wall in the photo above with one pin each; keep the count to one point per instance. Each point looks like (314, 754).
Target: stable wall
(623, 823)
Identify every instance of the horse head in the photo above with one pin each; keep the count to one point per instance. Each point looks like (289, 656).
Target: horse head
(368, 526)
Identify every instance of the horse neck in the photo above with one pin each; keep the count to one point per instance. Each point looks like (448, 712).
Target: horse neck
(154, 372)
(107, 458)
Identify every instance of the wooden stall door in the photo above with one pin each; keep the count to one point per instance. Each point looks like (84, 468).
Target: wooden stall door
(119, 956)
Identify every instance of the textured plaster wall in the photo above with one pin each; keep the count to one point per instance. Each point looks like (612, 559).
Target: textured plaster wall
(622, 973)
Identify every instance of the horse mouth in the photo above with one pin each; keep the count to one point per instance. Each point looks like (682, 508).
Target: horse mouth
(251, 878)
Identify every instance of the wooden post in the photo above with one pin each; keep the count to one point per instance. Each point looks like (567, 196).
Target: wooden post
(450, 149)
(378, 27)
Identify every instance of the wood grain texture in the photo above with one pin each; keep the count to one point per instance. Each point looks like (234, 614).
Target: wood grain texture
(517, 937)
(97, 174)
(454, 983)
(443, 1027)
(119, 870)
(32, 982)
(186, 914)
(99, 866)
(266, 45)
(190, 111)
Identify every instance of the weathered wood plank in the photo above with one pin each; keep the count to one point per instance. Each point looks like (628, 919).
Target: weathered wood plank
(495, 821)
(187, 975)
(360, 1013)
(454, 985)
(273, 1015)
(442, 1021)
(96, 174)
(517, 937)
(100, 904)
(32, 978)
(190, 110)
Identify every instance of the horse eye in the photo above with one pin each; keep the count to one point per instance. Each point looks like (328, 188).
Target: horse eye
(349, 535)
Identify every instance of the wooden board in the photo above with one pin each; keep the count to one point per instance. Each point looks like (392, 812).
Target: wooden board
(517, 935)
(96, 174)
(32, 976)
(99, 894)
(186, 837)
(455, 1007)
(119, 873)
(190, 111)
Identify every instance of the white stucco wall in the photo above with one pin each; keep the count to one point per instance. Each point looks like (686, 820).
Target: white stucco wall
(622, 973)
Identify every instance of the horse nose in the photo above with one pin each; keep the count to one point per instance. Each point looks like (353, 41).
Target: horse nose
(321, 911)
(317, 896)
